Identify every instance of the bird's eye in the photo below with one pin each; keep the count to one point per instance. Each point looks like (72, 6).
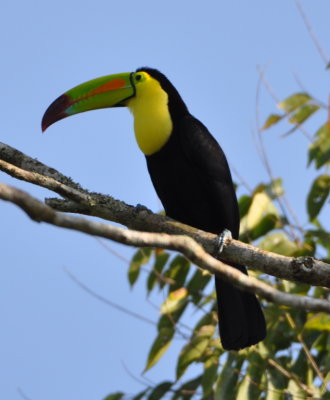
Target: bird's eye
(138, 77)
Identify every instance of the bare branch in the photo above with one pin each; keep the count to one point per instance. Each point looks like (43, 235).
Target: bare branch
(27, 163)
(303, 269)
(46, 182)
(184, 244)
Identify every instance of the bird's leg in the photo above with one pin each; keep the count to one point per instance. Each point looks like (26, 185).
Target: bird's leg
(221, 240)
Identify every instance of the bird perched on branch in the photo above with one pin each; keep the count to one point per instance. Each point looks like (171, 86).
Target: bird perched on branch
(188, 169)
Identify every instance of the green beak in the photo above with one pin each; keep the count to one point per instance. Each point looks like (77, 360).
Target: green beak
(108, 91)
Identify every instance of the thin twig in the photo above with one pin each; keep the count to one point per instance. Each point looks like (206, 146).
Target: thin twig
(111, 251)
(106, 301)
(266, 163)
(290, 375)
(266, 83)
(242, 181)
(309, 356)
(22, 394)
(304, 89)
(136, 379)
(311, 32)
(159, 277)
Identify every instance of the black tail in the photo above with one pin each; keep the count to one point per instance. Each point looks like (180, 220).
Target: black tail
(241, 320)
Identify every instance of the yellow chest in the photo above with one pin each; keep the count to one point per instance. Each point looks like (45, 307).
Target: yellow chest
(152, 121)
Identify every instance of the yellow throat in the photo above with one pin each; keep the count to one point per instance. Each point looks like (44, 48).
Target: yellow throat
(152, 121)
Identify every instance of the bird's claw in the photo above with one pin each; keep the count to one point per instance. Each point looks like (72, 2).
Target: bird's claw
(224, 236)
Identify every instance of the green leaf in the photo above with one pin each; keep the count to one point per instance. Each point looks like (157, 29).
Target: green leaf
(165, 322)
(210, 374)
(276, 380)
(272, 393)
(178, 271)
(115, 396)
(187, 390)
(293, 102)
(319, 322)
(141, 257)
(197, 284)
(280, 336)
(275, 188)
(140, 395)
(243, 389)
(320, 345)
(303, 113)
(265, 225)
(306, 248)
(207, 319)
(325, 393)
(272, 120)
(244, 204)
(176, 300)
(169, 320)
(227, 382)
(319, 150)
(160, 262)
(160, 345)
(279, 243)
(194, 350)
(299, 366)
(322, 237)
(260, 207)
(295, 390)
(317, 196)
(255, 372)
(160, 390)
(211, 298)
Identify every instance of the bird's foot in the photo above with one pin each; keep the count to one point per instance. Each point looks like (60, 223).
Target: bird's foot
(224, 236)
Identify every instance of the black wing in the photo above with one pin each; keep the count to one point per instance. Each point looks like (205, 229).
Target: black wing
(211, 172)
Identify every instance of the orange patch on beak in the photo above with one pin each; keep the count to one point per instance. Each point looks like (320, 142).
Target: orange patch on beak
(107, 87)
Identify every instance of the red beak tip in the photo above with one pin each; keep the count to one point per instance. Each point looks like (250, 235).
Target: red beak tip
(55, 112)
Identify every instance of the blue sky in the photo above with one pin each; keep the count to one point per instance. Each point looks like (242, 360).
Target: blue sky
(57, 342)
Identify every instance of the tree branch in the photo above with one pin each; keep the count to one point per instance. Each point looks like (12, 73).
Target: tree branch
(78, 200)
(184, 244)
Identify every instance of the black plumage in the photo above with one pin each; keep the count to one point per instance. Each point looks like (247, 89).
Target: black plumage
(192, 179)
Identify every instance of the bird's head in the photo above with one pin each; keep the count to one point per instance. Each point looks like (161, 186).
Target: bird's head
(152, 99)
(119, 90)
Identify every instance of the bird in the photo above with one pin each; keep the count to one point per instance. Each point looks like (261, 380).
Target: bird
(189, 172)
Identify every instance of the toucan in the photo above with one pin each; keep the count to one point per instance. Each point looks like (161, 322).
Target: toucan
(188, 169)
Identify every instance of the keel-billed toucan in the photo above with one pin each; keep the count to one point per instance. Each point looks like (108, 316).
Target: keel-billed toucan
(188, 169)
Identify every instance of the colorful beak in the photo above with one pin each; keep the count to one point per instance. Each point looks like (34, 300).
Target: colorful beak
(108, 91)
